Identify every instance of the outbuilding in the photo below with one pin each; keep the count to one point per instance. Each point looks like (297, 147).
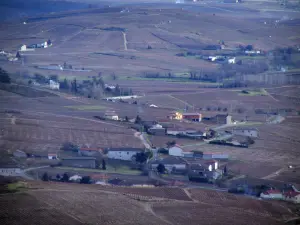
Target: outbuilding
(126, 154)
(171, 163)
(176, 151)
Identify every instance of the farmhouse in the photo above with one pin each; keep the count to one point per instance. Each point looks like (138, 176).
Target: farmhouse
(204, 170)
(292, 196)
(9, 170)
(82, 162)
(188, 116)
(249, 132)
(219, 119)
(171, 164)
(157, 130)
(53, 85)
(52, 156)
(111, 115)
(89, 152)
(176, 151)
(123, 153)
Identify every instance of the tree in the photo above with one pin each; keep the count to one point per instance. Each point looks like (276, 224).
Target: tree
(4, 77)
(117, 90)
(64, 84)
(18, 55)
(65, 177)
(103, 164)
(171, 143)
(68, 146)
(29, 82)
(45, 177)
(225, 170)
(161, 168)
(85, 180)
(65, 65)
(126, 118)
(138, 119)
(114, 77)
(58, 177)
(74, 86)
(141, 157)
(149, 47)
(40, 78)
(53, 77)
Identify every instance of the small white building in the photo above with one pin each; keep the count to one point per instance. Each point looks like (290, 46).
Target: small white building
(23, 48)
(176, 151)
(126, 154)
(54, 85)
(111, 115)
(231, 61)
(292, 196)
(52, 156)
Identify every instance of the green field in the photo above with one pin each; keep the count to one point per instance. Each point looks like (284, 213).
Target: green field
(85, 107)
(109, 169)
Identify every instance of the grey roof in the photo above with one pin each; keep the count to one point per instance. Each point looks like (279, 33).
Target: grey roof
(79, 158)
(170, 160)
(126, 149)
(191, 114)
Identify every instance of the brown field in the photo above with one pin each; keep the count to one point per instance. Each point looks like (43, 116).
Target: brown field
(94, 204)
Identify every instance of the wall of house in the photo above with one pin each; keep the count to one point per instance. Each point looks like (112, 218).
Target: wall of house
(79, 163)
(9, 171)
(122, 155)
(170, 167)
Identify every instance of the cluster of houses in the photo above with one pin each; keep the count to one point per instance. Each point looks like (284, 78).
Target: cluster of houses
(45, 44)
(288, 194)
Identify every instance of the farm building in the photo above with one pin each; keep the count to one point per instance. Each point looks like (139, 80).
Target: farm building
(219, 119)
(176, 151)
(215, 156)
(292, 196)
(249, 132)
(9, 170)
(188, 116)
(111, 115)
(20, 154)
(171, 163)
(83, 162)
(52, 156)
(272, 194)
(157, 130)
(123, 153)
(53, 85)
(89, 152)
(204, 171)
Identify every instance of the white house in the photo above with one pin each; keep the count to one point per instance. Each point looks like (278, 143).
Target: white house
(54, 85)
(271, 194)
(52, 156)
(231, 61)
(111, 115)
(176, 151)
(292, 196)
(10, 171)
(123, 153)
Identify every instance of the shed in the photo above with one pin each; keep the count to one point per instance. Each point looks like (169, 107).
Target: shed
(52, 156)
(176, 151)
(112, 115)
(82, 162)
(89, 151)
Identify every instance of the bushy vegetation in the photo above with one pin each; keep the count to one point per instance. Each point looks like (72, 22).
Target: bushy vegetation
(4, 77)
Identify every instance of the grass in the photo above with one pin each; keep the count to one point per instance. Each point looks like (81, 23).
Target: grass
(86, 107)
(109, 169)
(15, 187)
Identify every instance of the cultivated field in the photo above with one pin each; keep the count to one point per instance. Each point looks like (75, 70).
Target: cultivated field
(95, 204)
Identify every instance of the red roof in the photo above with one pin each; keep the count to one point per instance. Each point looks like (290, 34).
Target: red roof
(90, 149)
(52, 154)
(272, 191)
